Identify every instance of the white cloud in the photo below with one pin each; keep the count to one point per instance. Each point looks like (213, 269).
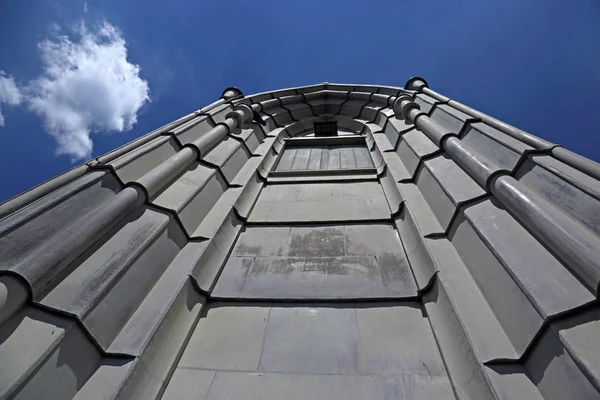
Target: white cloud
(88, 86)
(9, 93)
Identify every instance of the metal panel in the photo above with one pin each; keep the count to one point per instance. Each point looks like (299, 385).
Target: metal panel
(315, 352)
(321, 202)
(574, 193)
(332, 261)
(101, 289)
(315, 158)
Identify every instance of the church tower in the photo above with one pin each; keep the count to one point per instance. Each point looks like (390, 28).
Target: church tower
(322, 242)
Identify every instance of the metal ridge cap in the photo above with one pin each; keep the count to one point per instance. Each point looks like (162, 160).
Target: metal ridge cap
(29, 196)
(325, 86)
(17, 202)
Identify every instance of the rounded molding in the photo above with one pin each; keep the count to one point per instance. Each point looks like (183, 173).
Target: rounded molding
(13, 296)
(416, 83)
(403, 104)
(242, 113)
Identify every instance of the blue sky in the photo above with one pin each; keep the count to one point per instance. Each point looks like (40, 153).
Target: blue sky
(532, 63)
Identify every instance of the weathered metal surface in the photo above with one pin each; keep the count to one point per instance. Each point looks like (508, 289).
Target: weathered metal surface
(428, 252)
(317, 262)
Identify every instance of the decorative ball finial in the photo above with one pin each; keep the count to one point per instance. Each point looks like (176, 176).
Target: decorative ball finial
(416, 83)
(231, 93)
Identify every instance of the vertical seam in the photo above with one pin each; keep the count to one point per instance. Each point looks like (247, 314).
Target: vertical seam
(262, 347)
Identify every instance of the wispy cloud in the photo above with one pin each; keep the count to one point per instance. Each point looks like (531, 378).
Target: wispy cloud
(9, 93)
(87, 86)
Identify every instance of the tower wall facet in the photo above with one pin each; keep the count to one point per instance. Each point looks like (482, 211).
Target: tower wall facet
(426, 250)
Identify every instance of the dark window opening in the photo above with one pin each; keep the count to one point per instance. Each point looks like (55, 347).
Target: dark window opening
(323, 129)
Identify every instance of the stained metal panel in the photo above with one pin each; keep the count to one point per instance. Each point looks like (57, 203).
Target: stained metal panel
(513, 314)
(331, 261)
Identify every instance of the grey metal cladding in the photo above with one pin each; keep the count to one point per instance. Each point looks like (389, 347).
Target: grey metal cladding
(326, 102)
(557, 290)
(219, 114)
(511, 382)
(575, 334)
(292, 100)
(413, 147)
(266, 105)
(260, 97)
(329, 343)
(109, 285)
(390, 189)
(340, 87)
(69, 357)
(284, 92)
(38, 223)
(280, 115)
(280, 266)
(352, 125)
(272, 386)
(382, 142)
(211, 261)
(153, 368)
(38, 336)
(192, 195)
(417, 386)
(370, 111)
(450, 118)
(391, 91)
(488, 340)
(350, 157)
(211, 224)
(587, 166)
(446, 187)
(556, 373)
(502, 258)
(413, 242)
(353, 107)
(383, 115)
(569, 190)
(369, 127)
(299, 111)
(321, 202)
(229, 156)
(465, 372)
(15, 203)
(315, 158)
(252, 134)
(192, 130)
(311, 88)
(247, 198)
(501, 149)
(270, 124)
(366, 88)
(318, 262)
(396, 128)
(377, 156)
(425, 102)
(136, 163)
(517, 316)
(162, 298)
(424, 218)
